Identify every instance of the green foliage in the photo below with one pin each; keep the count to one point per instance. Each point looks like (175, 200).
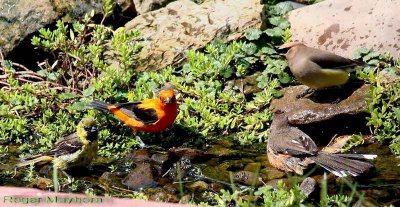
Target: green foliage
(266, 194)
(37, 113)
(384, 97)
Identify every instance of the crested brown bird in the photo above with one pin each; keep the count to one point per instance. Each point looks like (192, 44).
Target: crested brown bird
(292, 150)
(317, 69)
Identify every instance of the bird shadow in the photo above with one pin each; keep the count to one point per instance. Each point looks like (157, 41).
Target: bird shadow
(335, 95)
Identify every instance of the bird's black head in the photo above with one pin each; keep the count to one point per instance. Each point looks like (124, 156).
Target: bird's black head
(92, 133)
(87, 129)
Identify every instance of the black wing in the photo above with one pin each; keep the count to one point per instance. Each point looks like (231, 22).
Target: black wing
(147, 116)
(293, 141)
(68, 145)
(332, 61)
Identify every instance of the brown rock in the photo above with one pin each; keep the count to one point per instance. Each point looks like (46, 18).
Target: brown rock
(43, 183)
(247, 178)
(140, 177)
(182, 25)
(20, 18)
(110, 180)
(271, 173)
(187, 153)
(185, 199)
(308, 186)
(252, 167)
(307, 110)
(138, 156)
(198, 186)
(344, 26)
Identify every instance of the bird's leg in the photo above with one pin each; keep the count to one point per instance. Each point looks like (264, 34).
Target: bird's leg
(141, 143)
(69, 178)
(307, 92)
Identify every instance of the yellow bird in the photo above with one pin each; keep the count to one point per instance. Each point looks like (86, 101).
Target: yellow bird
(74, 150)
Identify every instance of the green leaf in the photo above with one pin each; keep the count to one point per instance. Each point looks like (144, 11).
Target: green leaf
(359, 53)
(226, 72)
(88, 91)
(78, 106)
(279, 22)
(267, 50)
(284, 78)
(275, 32)
(66, 96)
(253, 34)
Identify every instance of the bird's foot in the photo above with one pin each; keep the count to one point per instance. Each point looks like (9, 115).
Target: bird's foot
(306, 93)
(141, 143)
(69, 179)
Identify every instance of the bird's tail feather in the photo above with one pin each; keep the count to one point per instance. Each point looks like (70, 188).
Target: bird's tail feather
(96, 104)
(343, 165)
(39, 160)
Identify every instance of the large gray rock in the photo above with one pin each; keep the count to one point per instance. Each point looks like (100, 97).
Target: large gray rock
(342, 26)
(182, 25)
(20, 18)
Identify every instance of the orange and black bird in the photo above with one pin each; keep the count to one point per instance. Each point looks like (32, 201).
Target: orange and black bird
(149, 115)
(292, 150)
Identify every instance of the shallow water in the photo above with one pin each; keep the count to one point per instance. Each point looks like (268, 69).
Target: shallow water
(219, 165)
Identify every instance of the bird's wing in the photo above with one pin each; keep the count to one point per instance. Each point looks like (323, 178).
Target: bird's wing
(66, 146)
(329, 60)
(294, 142)
(144, 115)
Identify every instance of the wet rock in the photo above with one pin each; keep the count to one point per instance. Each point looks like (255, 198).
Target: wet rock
(216, 187)
(140, 177)
(188, 153)
(185, 199)
(127, 7)
(219, 172)
(109, 180)
(179, 169)
(253, 167)
(42, 183)
(169, 32)
(158, 194)
(160, 158)
(138, 156)
(20, 18)
(308, 186)
(307, 111)
(171, 188)
(247, 178)
(336, 144)
(344, 26)
(221, 151)
(198, 186)
(271, 173)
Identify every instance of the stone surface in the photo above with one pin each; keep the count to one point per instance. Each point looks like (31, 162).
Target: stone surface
(110, 180)
(342, 26)
(271, 173)
(308, 186)
(198, 186)
(182, 25)
(247, 178)
(138, 156)
(140, 177)
(314, 110)
(20, 18)
(43, 183)
(187, 153)
(143, 6)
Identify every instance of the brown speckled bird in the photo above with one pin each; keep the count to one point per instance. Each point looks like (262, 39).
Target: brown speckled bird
(291, 150)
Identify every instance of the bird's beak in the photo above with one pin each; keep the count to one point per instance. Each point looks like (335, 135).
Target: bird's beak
(167, 100)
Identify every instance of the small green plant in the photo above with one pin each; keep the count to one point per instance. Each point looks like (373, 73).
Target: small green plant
(384, 97)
